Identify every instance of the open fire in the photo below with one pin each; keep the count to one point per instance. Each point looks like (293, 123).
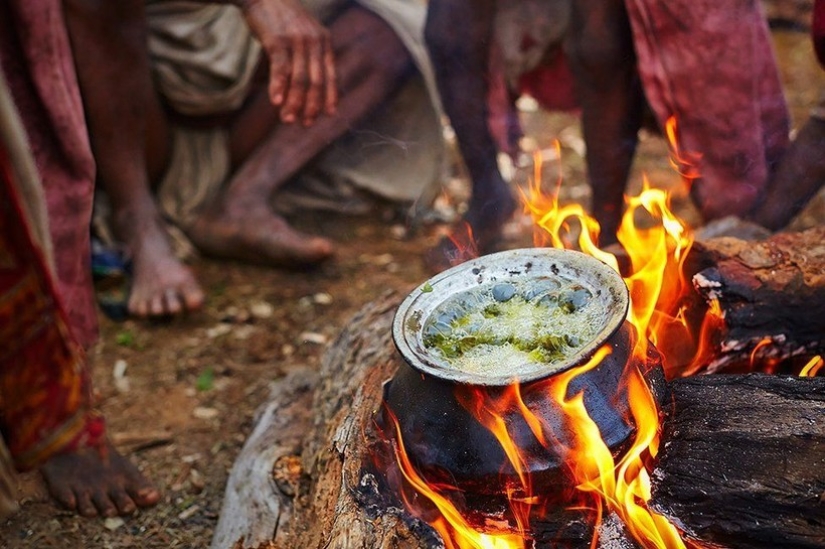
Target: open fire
(600, 479)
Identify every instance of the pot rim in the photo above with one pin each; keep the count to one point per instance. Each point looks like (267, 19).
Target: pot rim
(413, 312)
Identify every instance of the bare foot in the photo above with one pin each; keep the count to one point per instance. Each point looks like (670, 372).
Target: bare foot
(161, 284)
(92, 483)
(257, 235)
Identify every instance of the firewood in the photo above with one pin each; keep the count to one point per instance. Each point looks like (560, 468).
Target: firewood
(257, 504)
(743, 461)
(772, 294)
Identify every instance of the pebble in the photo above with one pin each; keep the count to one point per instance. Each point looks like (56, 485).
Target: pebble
(189, 512)
(262, 310)
(113, 523)
(119, 374)
(313, 337)
(322, 298)
(218, 330)
(202, 412)
(244, 332)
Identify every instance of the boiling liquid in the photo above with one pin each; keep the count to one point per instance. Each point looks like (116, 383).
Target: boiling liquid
(510, 329)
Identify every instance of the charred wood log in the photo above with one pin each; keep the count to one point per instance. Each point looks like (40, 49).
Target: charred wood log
(743, 461)
(772, 294)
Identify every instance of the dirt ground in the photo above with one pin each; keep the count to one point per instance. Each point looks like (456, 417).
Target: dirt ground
(185, 402)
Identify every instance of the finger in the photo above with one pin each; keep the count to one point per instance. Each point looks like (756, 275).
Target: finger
(331, 89)
(279, 68)
(296, 92)
(315, 91)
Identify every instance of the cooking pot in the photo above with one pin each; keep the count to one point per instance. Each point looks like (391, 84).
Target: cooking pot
(443, 439)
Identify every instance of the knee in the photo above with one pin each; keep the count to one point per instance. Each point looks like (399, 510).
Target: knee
(374, 48)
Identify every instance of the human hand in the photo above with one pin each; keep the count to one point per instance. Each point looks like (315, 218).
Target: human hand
(301, 64)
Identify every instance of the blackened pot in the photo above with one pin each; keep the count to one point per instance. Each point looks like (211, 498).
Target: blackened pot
(443, 439)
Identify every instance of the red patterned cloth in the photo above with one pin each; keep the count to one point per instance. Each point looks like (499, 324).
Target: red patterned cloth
(44, 383)
(45, 397)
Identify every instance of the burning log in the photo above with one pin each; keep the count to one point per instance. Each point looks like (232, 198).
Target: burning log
(772, 295)
(742, 461)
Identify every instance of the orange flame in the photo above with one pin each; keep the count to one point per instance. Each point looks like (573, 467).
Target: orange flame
(465, 244)
(686, 163)
(455, 531)
(625, 487)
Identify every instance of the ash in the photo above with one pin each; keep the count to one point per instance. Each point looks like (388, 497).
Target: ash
(613, 535)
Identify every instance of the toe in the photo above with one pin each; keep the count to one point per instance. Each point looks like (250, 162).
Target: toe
(64, 495)
(125, 505)
(156, 306)
(173, 303)
(85, 506)
(143, 493)
(192, 297)
(138, 306)
(104, 505)
(146, 496)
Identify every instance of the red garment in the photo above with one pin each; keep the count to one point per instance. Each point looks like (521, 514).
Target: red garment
(38, 64)
(551, 84)
(45, 397)
(711, 64)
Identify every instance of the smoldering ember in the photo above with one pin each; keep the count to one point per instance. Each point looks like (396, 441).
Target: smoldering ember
(708, 431)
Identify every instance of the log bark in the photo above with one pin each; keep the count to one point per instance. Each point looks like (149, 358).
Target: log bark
(763, 439)
(258, 499)
(743, 461)
(772, 294)
(341, 507)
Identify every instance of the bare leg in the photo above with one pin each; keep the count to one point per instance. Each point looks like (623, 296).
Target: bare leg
(458, 34)
(600, 49)
(127, 126)
(799, 176)
(370, 61)
(93, 484)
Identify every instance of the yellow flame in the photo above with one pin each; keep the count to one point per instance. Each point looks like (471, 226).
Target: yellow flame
(812, 367)
(624, 487)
